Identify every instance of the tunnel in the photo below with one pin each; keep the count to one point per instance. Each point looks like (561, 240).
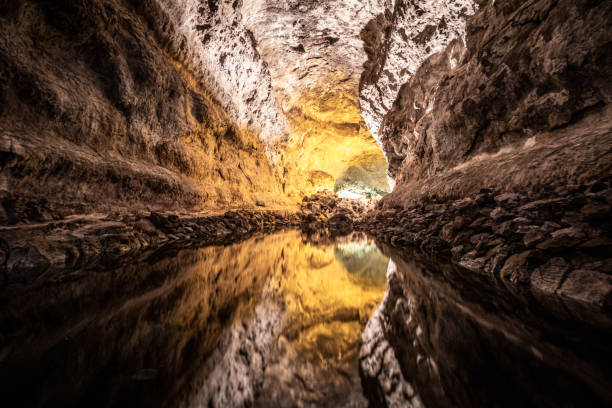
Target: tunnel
(300, 203)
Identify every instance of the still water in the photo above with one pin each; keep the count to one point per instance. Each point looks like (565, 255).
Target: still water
(274, 320)
(277, 321)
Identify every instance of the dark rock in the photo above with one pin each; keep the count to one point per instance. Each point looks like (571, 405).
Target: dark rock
(596, 212)
(588, 288)
(531, 238)
(598, 247)
(24, 264)
(472, 264)
(507, 199)
(548, 277)
(563, 238)
(515, 267)
(457, 251)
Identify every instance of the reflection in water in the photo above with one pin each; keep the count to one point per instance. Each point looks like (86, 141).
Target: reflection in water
(444, 338)
(270, 321)
(277, 321)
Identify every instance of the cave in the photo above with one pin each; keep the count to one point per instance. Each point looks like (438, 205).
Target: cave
(300, 203)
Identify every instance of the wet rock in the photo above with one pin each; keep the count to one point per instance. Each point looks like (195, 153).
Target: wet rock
(24, 264)
(341, 224)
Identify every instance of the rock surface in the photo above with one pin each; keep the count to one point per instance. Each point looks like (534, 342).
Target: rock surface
(526, 67)
(547, 240)
(103, 108)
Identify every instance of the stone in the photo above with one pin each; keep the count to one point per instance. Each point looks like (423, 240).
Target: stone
(588, 287)
(457, 251)
(563, 238)
(499, 214)
(596, 212)
(145, 225)
(458, 222)
(533, 237)
(598, 247)
(515, 268)
(548, 277)
(507, 199)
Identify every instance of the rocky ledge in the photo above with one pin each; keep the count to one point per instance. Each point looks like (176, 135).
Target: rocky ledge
(32, 252)
(324, 215)
(556, 242)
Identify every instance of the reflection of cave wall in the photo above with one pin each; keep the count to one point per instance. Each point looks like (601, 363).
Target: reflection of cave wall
(445, 338)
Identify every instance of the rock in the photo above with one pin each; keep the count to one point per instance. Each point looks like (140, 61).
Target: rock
(531, 238)
(340, 224)
(549, 227)
(507, 199)
(260, 203)
(572, 217)
(499, 214)
(563, 238)
(596, 212)
(598, 247)
(24, 264)
(515, 268)
(548, 277)
(472, 264)
(145, 225)
(458, 223)
(457, 251)
(587, 287)
(495, 259)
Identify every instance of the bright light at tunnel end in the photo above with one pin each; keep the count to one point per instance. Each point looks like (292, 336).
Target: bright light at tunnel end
(354, 195)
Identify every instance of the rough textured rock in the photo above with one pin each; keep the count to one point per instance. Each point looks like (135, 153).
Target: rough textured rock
(398, 41)
(103, 109)
(34, 252)
(325, 215)
(517, 239)
(315, 55)
(527, 67)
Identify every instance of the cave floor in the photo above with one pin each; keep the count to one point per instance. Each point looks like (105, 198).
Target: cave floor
(276, 320)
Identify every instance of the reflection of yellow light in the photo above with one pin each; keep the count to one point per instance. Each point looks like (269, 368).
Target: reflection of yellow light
(327, 306)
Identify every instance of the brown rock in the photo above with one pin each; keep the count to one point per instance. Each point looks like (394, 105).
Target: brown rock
(532, 237)
(587, 287)
(515, 268)
(547, 278)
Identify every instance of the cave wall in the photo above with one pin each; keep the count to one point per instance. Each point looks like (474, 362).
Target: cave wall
(105, 105)
(526, 68)
(398, 41)
(314, 53)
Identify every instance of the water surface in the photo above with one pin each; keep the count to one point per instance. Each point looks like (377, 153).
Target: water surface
(279, 321)
(274, 320)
